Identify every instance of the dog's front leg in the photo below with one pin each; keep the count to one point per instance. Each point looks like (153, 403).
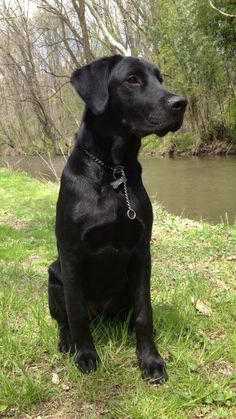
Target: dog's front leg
(151, 363)
(86, 357)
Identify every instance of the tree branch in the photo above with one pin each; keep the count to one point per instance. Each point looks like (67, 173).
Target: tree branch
(55, 75)
(220, 11)
(105, 31)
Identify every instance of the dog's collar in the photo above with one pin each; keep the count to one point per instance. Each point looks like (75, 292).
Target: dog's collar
(119, 178)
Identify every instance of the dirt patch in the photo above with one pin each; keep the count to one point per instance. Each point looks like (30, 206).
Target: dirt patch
(70, 408)
(17, 223)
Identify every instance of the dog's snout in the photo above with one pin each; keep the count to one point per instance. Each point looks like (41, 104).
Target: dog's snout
(177, 103)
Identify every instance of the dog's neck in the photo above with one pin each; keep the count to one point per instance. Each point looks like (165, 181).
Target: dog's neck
(113, 145)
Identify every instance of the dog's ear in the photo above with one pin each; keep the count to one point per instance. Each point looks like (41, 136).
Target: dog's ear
(91, 82)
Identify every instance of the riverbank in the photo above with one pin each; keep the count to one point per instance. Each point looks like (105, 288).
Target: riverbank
(186, 144)
(181, 143)
(193, 295)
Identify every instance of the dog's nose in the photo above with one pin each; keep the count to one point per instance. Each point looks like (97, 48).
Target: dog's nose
(177, 103)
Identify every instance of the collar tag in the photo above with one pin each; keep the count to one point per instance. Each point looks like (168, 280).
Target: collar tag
(116, 183)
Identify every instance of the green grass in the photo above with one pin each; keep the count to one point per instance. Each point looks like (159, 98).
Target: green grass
(191, 264)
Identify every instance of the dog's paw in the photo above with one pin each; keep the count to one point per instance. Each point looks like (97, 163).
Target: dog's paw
(66, 347)
(87, 360)
(65, 344)
(153, 367)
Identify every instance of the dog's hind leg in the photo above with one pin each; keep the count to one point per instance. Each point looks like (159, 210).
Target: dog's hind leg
(57, 307)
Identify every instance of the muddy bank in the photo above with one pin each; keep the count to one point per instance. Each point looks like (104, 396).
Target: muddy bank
(202, 148)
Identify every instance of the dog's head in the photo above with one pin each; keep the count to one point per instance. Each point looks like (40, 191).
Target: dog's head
(129, 90)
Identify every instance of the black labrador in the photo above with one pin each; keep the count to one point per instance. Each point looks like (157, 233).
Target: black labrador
(104, 216)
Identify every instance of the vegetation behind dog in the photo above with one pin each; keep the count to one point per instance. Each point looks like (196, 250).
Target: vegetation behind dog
(192, 43)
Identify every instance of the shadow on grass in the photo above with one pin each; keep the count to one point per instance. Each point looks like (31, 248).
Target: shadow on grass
(171, 322)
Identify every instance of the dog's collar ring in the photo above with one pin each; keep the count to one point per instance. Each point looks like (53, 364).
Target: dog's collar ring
(131, 214)
(117, 171)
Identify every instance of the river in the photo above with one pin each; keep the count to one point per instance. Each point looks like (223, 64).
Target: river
(196, 188)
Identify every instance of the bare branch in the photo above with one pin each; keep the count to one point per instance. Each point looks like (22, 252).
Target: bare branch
(56, 75)
(220, 11)
(105, 31)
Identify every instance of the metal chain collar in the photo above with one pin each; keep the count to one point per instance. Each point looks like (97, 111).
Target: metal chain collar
(119, 178)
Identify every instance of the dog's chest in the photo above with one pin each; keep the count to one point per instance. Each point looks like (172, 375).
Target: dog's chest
(101, 221)
(122, 234)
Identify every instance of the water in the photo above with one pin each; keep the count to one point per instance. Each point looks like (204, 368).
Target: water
(197, 188)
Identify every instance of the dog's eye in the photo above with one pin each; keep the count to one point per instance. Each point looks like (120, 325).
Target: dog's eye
(134, 80)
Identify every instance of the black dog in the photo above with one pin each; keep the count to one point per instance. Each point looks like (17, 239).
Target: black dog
(104, 216)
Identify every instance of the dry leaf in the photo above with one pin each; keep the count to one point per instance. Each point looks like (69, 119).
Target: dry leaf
(233, 257)
(32, 257)
(65, 387)
(202, 306)
(55, 378)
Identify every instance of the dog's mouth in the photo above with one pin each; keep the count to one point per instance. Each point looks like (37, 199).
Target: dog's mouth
(161, 131)
(155, 126)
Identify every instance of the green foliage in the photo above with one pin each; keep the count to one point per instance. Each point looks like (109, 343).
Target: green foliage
(178, 142)
(196, 51)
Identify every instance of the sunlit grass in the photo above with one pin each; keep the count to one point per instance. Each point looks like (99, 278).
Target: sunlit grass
(191, 262)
